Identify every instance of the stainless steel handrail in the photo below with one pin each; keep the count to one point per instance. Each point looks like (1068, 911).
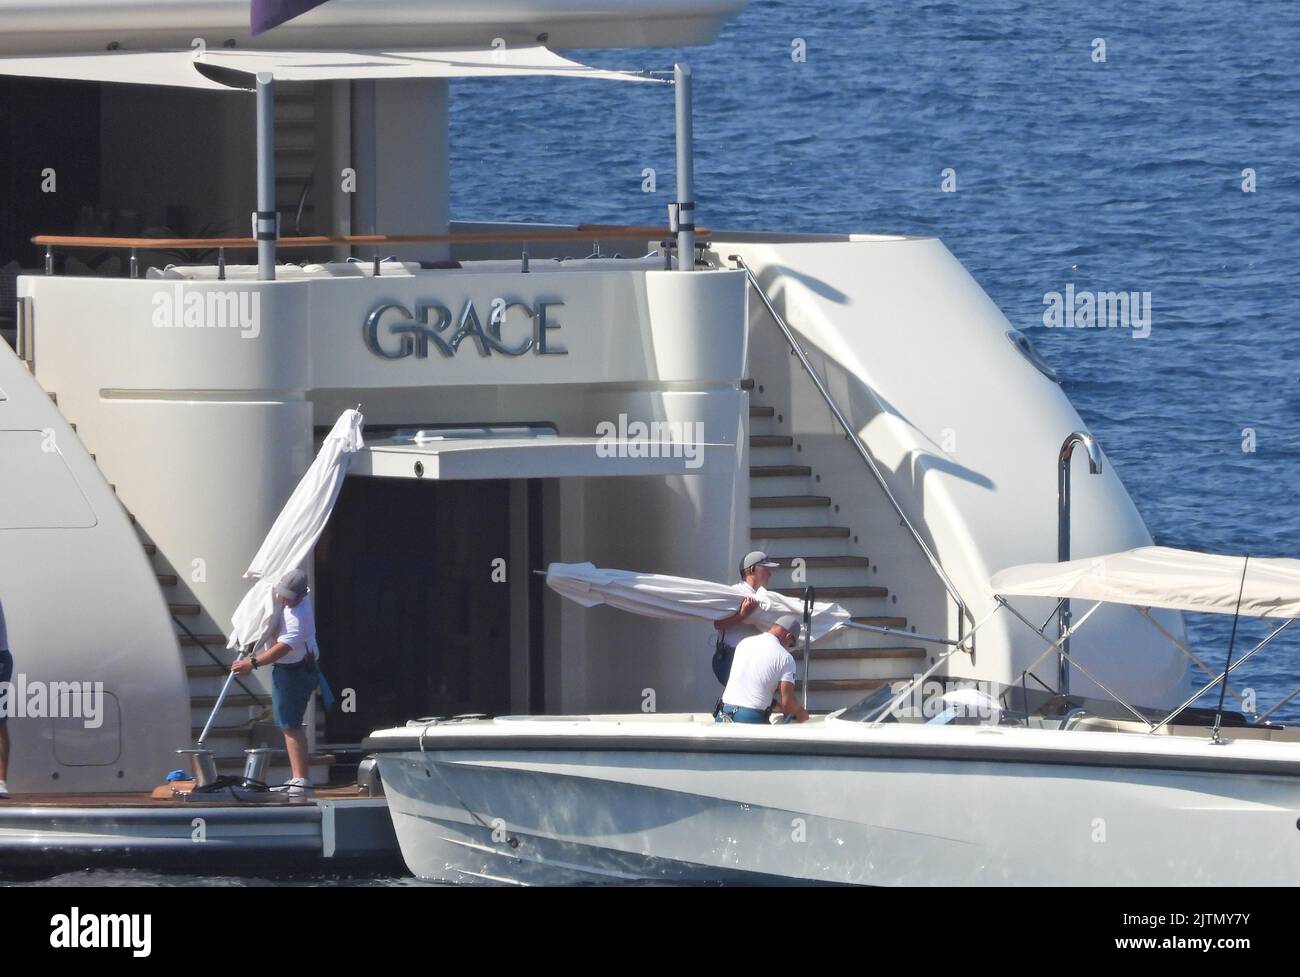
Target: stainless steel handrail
(963, 612)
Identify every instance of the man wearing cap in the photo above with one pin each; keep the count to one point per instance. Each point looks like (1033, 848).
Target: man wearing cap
(755, 572)
(297, 672)
(763, 669)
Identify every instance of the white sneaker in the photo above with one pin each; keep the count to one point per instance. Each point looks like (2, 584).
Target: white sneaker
(4, 789)
(298, 786)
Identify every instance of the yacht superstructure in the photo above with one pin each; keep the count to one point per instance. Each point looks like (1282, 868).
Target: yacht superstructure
(855, 405)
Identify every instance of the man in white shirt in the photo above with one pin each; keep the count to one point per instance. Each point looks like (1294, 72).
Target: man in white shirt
(763, 669)
(755, 574)
(297, 673)
(6, 675)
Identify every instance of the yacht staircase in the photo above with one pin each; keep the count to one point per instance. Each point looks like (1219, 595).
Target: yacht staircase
(245, 719)
(798, 523)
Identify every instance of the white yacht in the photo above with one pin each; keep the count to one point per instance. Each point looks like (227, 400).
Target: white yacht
(662, 394)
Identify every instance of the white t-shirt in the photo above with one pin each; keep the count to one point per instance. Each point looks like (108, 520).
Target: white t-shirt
(761, 664)
(737, 633)
(298, 631)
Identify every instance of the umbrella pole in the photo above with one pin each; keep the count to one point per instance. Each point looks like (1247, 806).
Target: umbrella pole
(808, 595)
(217, 708)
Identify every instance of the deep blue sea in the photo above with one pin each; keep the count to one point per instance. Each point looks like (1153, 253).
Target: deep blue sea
(1122, 175)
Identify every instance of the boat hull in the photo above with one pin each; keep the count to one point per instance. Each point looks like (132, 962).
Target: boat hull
(586, 815)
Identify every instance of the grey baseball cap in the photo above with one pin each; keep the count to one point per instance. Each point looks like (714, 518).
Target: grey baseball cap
(292, 585)
(757, 558)
(791, 623)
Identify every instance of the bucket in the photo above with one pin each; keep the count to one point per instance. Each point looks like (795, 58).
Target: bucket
(255, 762)
(202, 764)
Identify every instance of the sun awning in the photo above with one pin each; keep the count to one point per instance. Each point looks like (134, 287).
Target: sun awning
(659, 595)
(1159, 576)
(456, 458)
(232, 70)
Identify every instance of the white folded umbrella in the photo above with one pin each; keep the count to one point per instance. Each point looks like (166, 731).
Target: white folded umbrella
(296, 530)
(682, 598)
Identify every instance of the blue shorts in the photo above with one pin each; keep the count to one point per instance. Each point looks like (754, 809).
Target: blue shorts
(291, 689)
(6, 675)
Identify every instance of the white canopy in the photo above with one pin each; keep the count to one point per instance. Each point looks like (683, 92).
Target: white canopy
(1158, 576)
(227, 69)
(296, 529)
(681, 598)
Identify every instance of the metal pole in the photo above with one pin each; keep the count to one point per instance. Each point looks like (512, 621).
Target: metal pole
(266, 220)
(685, 170)
(1063, 540)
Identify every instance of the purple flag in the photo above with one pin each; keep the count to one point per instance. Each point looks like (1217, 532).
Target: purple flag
(272, 13)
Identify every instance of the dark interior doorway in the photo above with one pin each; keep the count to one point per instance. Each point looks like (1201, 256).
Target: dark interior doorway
(408, 613)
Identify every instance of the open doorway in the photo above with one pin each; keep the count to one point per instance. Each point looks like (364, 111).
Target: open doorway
(411, 615)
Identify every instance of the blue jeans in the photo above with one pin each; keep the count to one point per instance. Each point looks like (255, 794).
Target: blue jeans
(740, 714)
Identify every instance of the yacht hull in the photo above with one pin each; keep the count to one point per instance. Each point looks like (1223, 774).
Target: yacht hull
(865, 812)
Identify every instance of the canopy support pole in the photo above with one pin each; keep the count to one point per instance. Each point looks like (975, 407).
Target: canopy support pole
(1233, 667)
(1063, 539)
(684, 209)
(266, 220)
(1181, 646)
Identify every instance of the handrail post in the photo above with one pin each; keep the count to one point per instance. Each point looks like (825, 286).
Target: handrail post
(1063, 540)
(266, 220)
(685, 205)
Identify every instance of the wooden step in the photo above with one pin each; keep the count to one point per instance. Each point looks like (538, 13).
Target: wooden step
(184, 610)
(150, 549)
(756, 410)
(849, 684)
(839, 593)
(217, 642)
(798, 532)
(167, 579)
(897, 623)
(824, 561)
(770, 441)
(790, 502)
(54, 397)
(206, 671)
(243, 700)
(779, 471)
(859, 654)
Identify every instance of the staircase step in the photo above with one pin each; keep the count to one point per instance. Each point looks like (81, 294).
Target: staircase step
(897, 623)
(859, 654)
(756, 410)
(240, 700)
(150, 549)
(54, 397)
(824, 561)
(167, 579)
(790, 502)
(838, 593)
(217, 642)
(779, 471)
(206, 671)
(771, 441)
(798, 532)
(850, 684)
(184, 610)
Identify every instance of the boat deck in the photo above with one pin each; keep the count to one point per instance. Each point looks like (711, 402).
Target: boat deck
(310, 831)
